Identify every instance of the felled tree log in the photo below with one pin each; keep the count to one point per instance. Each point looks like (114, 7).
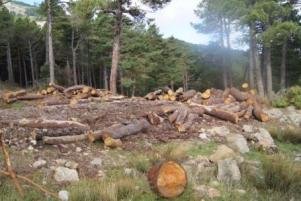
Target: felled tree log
(206, 94)
(52, 124)
(64, 139)
(70, 90)
(168, 179)
(57, 132)
(187, 95)
(191, 118)
(121, 130)
(55, 100)
(9, 96)
(30, 97)
(249, 112)
(224, 115)
(57, 87)
(259, 114)
(238, 95)
(153, 95)
(183, 112)
(154, 119)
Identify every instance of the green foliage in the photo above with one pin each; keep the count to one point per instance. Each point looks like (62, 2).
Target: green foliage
(291, 97)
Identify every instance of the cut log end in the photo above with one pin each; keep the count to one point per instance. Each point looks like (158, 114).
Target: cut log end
(168, 179)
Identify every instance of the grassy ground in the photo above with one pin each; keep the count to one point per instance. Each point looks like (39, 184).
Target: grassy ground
(281, 181)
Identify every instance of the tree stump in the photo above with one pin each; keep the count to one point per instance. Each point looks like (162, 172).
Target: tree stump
(168, 179)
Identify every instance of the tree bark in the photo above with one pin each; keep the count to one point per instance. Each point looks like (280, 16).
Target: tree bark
(50, 45)
(11, 78)
(256, 62)
(269, 72)
(31, 63)
(283, 66)
(251, 61)
(222, 44)
(75, 82)
(105, 78)
(116, 48)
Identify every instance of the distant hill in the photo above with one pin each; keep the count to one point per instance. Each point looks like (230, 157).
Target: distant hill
(21, 8)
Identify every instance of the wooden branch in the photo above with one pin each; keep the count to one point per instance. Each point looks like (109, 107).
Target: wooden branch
(43, 123)
(29, 181)
(64, 139)
(9, 167)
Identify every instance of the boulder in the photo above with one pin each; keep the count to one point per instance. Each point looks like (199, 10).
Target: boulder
(39, 164)
(264, 140)
(248, 128)
(222, 153)
(238, 143)
(63, 174)
(228, 171)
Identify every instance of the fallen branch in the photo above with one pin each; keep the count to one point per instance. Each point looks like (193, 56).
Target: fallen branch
(9, 168)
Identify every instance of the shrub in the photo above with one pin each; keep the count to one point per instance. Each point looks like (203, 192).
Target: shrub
(281, 174)
(288, 134)
(291, 97)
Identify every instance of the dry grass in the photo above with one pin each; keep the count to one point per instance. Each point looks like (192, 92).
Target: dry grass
(287, 134)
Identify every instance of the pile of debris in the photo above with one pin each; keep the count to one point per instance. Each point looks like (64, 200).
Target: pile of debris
(58, 95)
(229, 105)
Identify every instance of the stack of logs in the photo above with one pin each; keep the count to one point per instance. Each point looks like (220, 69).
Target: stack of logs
(56, 95)
(230, 105)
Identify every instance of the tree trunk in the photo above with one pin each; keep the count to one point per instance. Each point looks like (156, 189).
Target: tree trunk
(25, 72)
(229, 65)
(50, 45)
(69, 73)
(269, 72)
(256, 63)
(105, 78)
(116, 48)
(75, 82)
(251, 62)
(11, 78)
(283, 66)
(225, 74)
(31, 63)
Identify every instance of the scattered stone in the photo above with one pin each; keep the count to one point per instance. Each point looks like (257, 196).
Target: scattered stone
(96, 162)
(86, 154)
(228, 171)
(298, 157)
(61, 162)
(220, 131)
(295, 117)
(71, 165)
(39, 164)
(222, 153)
(78, 149)
(63, 174)
(238, 143)
(100, 174)
(248, 128)
(264, 140)
(207, 191)
(30, 148)
(33, 142)
(240, 191)
(64, 195)
(203, 136)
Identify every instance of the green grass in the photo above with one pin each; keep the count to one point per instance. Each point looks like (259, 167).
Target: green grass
(203, 149)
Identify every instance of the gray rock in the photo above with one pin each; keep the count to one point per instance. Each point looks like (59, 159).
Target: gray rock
(228, 171)
(238, 143)
(71, 165)
(274, 113)
(220, 131)
(63, 174)
(203, 136)
(96, 162)
(298, 157)
(264, 140)
(64, 195)
(222, 152)
(61, 162)
(39, 164)
(295, 117)
(248, 128)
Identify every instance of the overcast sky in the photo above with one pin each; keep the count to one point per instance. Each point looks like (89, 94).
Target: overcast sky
(174, 20)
